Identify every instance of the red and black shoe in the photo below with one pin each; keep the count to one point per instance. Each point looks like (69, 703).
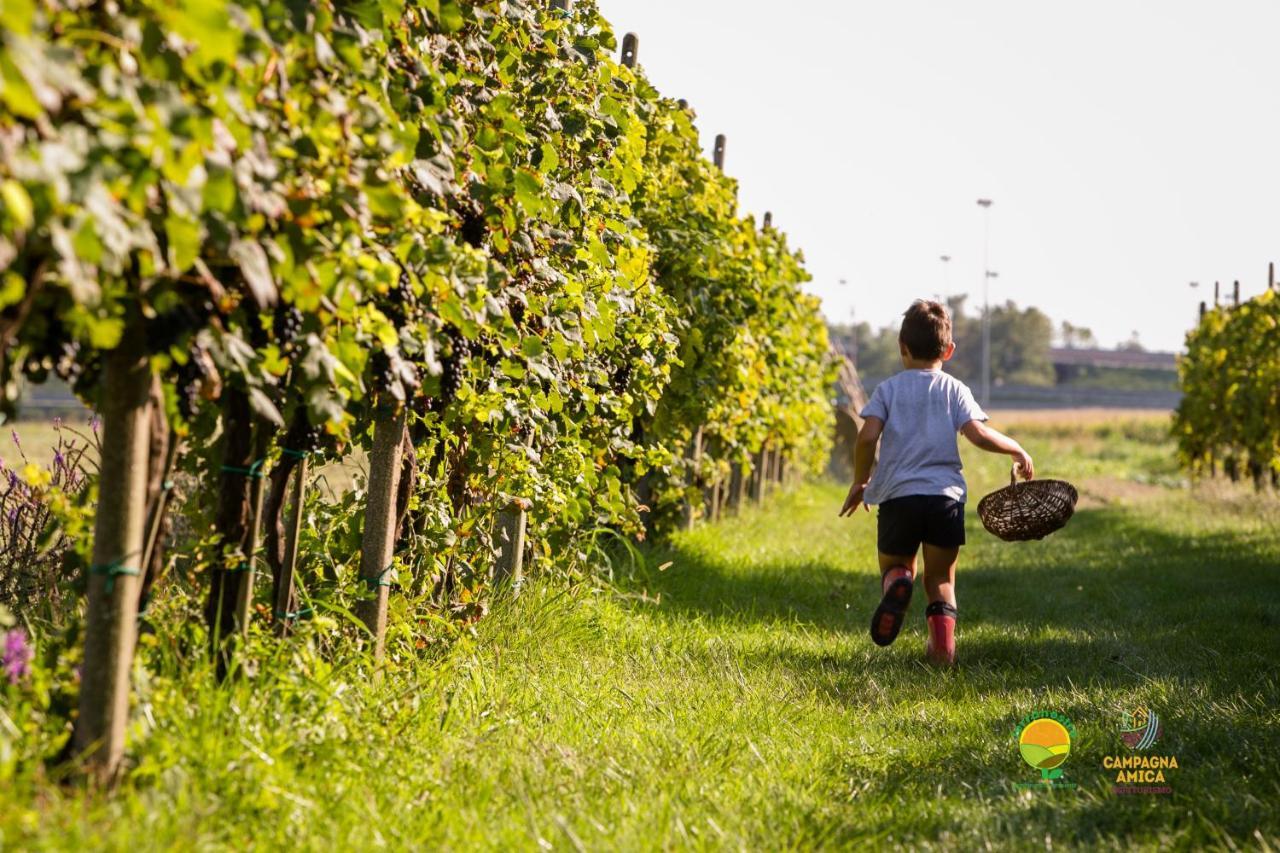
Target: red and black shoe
(940, 647)
(887, 620)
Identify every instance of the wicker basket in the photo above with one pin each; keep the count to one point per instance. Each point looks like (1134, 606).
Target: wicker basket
(1031, 509)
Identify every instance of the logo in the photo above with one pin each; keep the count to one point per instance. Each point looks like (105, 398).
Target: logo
(1141, 729)
(1044, 740)
(1139, 772)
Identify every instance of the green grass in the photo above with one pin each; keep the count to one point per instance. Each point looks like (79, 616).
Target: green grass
(732, 699)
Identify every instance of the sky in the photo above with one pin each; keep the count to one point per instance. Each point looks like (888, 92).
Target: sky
(1130, 147)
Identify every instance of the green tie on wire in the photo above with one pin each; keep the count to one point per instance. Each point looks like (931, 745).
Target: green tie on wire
(380, 579)
(253, 472)
(112, 571)
(294, 454)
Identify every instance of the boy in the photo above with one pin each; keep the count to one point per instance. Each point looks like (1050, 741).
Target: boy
(917, 483)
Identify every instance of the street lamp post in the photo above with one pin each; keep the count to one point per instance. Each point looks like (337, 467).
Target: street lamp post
(987, 275)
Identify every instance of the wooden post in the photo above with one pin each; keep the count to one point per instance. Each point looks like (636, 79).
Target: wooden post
(630, 49)
(1271, 275)
(562, 5)
(757, 476)
(258, 491)
(118, 533)
(378, 544)
(683, 104)
(768, 219)
(1235, 294)
(285, 596)
(1202, 309)
(719, 152)
(1215, 294)
(694, 453)
(737, 487)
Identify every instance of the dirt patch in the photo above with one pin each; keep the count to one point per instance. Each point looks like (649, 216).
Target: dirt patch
(1080, 417)
(1109, 491)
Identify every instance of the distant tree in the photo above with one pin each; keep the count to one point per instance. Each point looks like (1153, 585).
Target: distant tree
(1072, 336)
(1019, 345)
(1133, 344)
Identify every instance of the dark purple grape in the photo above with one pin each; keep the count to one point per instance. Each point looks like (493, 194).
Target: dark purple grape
(287, 324)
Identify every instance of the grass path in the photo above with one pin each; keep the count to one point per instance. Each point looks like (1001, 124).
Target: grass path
(733, 699)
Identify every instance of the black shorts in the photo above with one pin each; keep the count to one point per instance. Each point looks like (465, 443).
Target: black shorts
(903, 523)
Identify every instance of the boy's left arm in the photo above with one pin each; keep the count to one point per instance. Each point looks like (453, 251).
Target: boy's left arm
(864, 457)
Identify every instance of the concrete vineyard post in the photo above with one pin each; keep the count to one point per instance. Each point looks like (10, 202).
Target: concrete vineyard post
(1235, 294)
(719, 151)
(511, 526)
(695, 455)
(118, 533)
(562, 5)
(511, 529)
(768, 219)
(378, 543)
(630, 49)
(284, 602)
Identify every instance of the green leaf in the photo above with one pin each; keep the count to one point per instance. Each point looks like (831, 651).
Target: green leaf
(105, 332)
(17, 203)
(529, 192)
(12, 289)
(450, 17)
(16, 16)
(184, 241)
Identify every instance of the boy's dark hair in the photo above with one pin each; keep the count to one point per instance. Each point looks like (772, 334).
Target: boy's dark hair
(926, 329)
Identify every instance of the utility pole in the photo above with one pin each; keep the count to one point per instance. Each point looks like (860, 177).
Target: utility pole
(987, 275)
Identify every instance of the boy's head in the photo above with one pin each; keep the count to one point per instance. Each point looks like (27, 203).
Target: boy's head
(926, 332)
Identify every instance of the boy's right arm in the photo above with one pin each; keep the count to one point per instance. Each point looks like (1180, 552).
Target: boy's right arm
(864, 457)
(994, 441)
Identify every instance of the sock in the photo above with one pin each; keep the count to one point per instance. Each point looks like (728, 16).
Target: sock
(941, 618)
(892, 573)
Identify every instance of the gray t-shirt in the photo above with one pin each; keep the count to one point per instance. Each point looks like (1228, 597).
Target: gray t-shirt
(922, 411)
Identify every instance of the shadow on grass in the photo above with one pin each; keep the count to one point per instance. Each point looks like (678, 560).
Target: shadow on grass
(1114, 596)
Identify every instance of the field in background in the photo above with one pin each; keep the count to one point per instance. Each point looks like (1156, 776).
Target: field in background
(724, 694)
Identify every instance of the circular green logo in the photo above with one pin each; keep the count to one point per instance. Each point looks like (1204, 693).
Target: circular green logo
(1045, 742)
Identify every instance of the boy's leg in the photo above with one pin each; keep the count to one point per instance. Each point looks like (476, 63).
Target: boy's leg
(897, 578)
(940, 573)
(889, 561)
(940, 586)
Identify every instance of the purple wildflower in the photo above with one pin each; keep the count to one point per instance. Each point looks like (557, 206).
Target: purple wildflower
(14, 434)
(94, 423)
(57, 422)
(13, 477)
(58, 458)
(17, 655)
(13, 514)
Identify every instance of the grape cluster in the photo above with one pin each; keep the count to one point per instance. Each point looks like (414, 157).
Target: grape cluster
(622, 378)
(287, 324)
(186, 318)
(191, 377)
(516, 307)
(400, 301)
(303, 436)
(384, 377)
(454, 365)
(474, 228)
